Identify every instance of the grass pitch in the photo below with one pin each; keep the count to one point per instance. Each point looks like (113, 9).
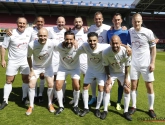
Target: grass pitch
(14, 113)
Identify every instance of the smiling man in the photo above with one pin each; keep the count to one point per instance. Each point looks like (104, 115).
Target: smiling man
(17, 50)
(69, 64)
(95, 70)
(42, 51)
(116, 63)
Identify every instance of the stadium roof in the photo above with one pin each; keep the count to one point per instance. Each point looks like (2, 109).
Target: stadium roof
(81, 8)
(63, 7)
(150, 6)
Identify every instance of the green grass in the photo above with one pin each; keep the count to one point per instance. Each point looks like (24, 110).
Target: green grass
(14, 113)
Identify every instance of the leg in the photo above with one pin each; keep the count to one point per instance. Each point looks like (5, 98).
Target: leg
(126, 103)
(93, 88)
(50, 93)
(133, 96)
(41, 88)
(32, 85)
(59, 84)
(25, 88)
(85, 99)
(76, 95)
(7, 90)
(106, 98)
(120, 94)
(151, 98)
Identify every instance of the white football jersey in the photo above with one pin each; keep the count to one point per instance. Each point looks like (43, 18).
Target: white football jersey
(101, 31)
(69, 58)
(42, 54)
(55, 33)
(141, 43)
(81, 38)
(116, 61)
(17, 45)
(95, 57)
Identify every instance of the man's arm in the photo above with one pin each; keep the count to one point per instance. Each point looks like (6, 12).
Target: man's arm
(128, 49)
(126, 81)
(153, 56)
(3, 62)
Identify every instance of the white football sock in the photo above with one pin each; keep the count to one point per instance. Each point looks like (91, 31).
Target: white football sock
(106, 101)
(93, 88)
(76, 97)
(36, 87)
(64, 88)
(7, 90)
(25, 89)
(99, 99)
(60, 98)
(133, 97)
(85, 98)
(54, 92)
(151, 98)
(41, 88)
(50, 95)
(31, 96)
(126, 102)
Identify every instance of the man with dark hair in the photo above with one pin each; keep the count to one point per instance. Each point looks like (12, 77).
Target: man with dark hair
(126, 42)
(69, 64)
(95, 70)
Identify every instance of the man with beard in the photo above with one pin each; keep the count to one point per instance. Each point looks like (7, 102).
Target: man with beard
(116, 63)
(42, 51)
(95, 70)
(81, 38)
(17, 51)
(57, 32)
(69, 64)
(126, 42)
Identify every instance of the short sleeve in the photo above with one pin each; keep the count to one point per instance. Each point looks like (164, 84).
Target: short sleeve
(6, 42)
(30, 51)
(104, 59)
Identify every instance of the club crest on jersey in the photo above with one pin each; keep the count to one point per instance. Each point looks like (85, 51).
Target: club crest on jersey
(95, 60)
(68, 59)
(44, 56)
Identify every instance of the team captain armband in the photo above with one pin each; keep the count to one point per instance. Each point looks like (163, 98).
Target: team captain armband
(152, 43)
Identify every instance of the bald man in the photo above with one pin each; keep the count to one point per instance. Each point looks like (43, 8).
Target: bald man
(42, 51)
(57, 32)
(17, 51)
(143, 61)
(116, 63)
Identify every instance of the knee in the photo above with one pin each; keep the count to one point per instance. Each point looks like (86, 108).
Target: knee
(58, 86)
(126, 90)
(85, 87)
(77, 87)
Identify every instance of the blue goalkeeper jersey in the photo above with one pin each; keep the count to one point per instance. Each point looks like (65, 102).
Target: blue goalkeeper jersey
(123, 34)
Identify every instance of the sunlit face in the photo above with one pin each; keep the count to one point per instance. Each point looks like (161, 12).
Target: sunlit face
(137, 22)
(117, 21)
(69, 41)
(98, 19)
(78, 23)
(42, 36)
(93, 40)
(40, 22)
(60, 23)
(21, 24)
(115, 43)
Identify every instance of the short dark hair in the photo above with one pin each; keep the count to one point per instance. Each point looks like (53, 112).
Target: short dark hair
(20, 18)
(69, 33)
(91, 34)
(117, 14)
(37, 19)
